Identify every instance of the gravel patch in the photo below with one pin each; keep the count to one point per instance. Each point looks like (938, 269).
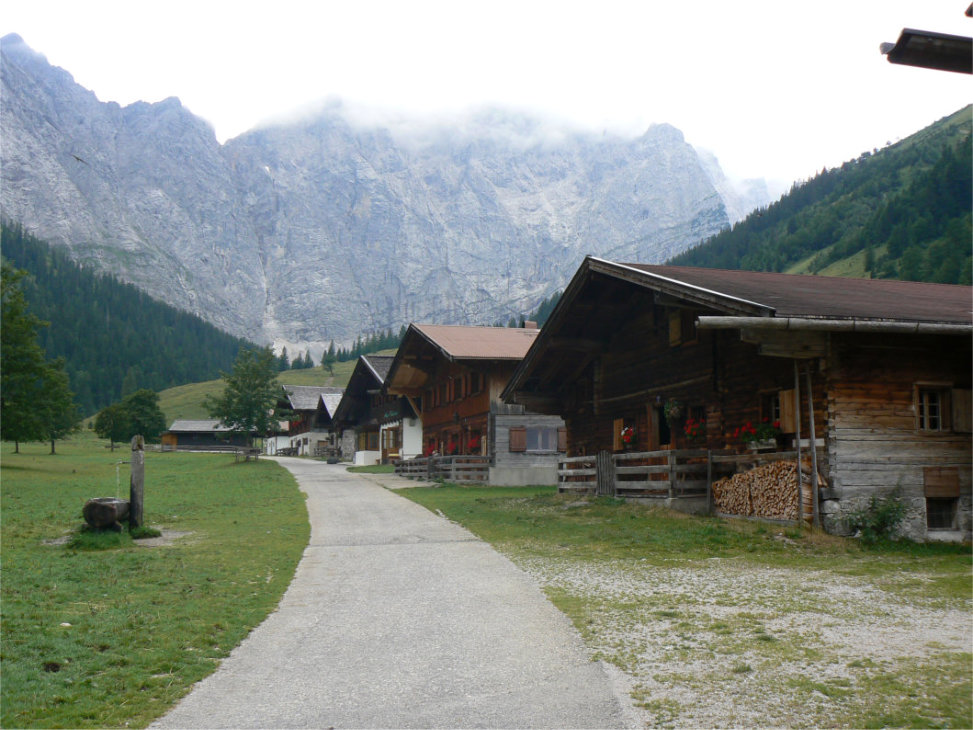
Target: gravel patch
(725, 644)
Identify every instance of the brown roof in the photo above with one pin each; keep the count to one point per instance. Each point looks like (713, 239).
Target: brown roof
(791, 295)
(479, 343)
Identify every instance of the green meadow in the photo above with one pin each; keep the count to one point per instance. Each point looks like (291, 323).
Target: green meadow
(100, 630)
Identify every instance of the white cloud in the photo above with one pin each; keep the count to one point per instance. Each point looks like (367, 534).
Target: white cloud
(776, 89)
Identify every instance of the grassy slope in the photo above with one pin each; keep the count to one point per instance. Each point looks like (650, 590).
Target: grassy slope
(186, 401)
(113, 637)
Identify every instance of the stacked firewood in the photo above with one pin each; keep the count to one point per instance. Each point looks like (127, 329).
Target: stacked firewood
(768, 491)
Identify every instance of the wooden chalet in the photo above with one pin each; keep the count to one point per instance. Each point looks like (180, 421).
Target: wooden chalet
(875, 373)
(453, 376)
(200, 435)
(385, 426)
(310, 424)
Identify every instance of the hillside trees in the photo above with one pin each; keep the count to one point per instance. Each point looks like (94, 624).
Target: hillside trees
(35, 399)
(250, 394)
(902, 212)
(113, 337)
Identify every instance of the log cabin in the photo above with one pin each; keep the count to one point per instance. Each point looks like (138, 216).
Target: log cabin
(877, 373)
(385, 426)
(453, 376)
(200, 435)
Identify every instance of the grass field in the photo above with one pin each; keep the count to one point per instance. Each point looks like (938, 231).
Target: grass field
(724, 623)
(103, 631)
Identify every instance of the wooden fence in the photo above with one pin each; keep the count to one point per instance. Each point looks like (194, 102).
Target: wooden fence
(457, 469)
(668, 474)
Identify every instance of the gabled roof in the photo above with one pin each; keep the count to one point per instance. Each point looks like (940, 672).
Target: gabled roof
(369, 375)
(306, 397)
(424, 344)
(458, 342)
(379, 365)
(186, 425)
(603, 294)
(330, 401)
(826, 297)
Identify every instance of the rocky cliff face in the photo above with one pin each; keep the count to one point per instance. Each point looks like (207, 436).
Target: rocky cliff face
(307, 232)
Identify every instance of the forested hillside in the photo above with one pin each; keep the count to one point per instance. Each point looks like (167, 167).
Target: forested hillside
(114, 338)
(900, 212)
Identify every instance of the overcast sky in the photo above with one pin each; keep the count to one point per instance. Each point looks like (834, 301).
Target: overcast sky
(775, 88)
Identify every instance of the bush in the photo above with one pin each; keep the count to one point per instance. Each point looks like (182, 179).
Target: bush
(880, 520)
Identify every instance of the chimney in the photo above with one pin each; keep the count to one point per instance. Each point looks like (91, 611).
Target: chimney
(530, 325)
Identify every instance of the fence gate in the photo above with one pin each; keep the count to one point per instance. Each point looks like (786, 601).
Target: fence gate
(606, 474)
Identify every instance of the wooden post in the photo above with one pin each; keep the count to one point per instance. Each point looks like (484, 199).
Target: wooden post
(816, 518)
(709, 481)
(137, 484)
(797, 428)
(672, 473)
(605, 474)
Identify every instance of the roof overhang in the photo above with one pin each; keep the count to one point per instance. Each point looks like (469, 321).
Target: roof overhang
(927, 49)
(806, 324)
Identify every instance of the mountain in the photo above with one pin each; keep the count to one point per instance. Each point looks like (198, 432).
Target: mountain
(899, 212)
(323, 229)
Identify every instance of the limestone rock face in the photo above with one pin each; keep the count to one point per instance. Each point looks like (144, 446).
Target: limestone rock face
(328, 228)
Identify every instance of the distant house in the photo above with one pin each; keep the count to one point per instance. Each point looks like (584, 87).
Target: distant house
(381, 427)
(453, 376)
(199, 435)
(885, 366)
(310, 422)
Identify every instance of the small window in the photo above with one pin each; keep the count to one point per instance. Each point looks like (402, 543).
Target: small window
(476, 383)
(940, 513)
(932, 408)
(542, 438)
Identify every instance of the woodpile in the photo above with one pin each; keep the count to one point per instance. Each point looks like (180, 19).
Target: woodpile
(769, 491)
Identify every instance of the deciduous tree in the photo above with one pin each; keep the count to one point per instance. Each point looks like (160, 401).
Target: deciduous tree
(246, 405)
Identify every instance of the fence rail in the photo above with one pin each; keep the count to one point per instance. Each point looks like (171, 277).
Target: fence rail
(457, 469)
(666, 474)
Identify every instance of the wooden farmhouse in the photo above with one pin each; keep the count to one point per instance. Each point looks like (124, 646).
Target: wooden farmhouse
(383, 427)
(453, 377)
(875, 373)
(310, 423)
(200, 435)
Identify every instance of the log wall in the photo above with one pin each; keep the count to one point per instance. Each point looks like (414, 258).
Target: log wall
(874, 439)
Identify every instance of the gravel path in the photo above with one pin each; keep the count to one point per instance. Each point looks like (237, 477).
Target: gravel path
(729, 645)
(398, 618)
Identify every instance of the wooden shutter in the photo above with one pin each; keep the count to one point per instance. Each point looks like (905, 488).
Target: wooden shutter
(562, 439)
(675, 328)
(962, 410)
(617, 425)
(788, 420)
(941, 481)
(518, 438)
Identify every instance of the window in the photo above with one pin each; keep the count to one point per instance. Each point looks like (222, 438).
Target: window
(682, 327)
(541, 438)
(537, 439)
(932, 408)
(770, 407)
(940, 513)
(941, 485)
(476, 383)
